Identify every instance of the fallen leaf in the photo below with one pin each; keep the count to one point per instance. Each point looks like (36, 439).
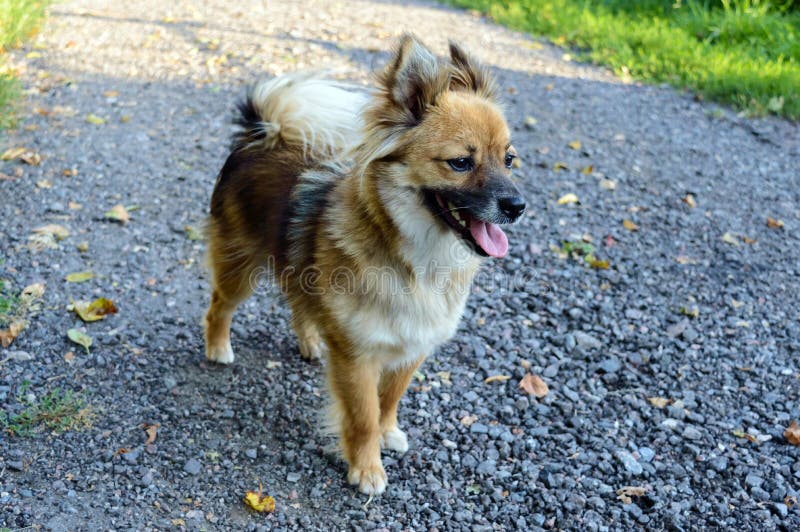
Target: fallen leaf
(596, 263)
(193, 233)
(730, 239)
(772, 223)
(79, 277)
(178, 522)
(624, 494)
(587, 170)
(44, 184)
(125, 119)
(151, 431)
(94, 119)
(567, 199)
(445, 377)
(575, 144)
(688, 199)
(258, 501)
(10, 333)
(12, 153)
(272, 364)
(83, 247)
(690, 312)
(792, 433)
(94, 311)
(534, 385)
(31, 157)
(683, 259)
(629, 225)
(111, 94)
(118, 213)
(69, 172)
(549, 87)
(748, 240)
(530, 122)
(497, 378)
(80, 338)
(658, 402)
(742, 434)
(58, 231)
(560, 166)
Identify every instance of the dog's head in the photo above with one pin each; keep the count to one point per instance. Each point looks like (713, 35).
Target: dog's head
(443, 135)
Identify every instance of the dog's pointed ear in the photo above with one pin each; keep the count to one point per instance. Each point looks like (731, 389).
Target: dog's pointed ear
(470, 75)
(414, 78)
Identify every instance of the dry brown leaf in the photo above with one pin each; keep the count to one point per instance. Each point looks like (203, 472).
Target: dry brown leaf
(8, 334)
(575, 144)
(118, 213)
(151, 431)
(625, 493)
(534, 385)
(629, 225)
(497, 378)
(772, 223)
(658, 402)
(587, 170)
(596, 263)
(57, 231)
(12, 153)
(792, 433)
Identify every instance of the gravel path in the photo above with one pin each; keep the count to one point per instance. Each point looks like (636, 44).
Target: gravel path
(708, 322)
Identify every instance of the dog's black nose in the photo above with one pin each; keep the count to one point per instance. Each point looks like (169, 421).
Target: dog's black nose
(512, 206)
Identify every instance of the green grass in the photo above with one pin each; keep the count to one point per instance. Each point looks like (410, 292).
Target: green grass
(745, 53)
(57, 411)
(8, 304)
(19, 19)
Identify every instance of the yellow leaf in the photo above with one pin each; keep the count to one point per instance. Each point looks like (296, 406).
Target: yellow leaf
(575, 144)
(567, 199)
(118, 213)
(125, 119)
(193, 233)
(497, 378)
(534, 385)
(94, 119)
(258, 501)
(8, 334)
(111, 94)
(588, 170)
(730, 239)
(772, 223)
(83, 247)
(560, 166)
(12, 153)
(629, 225)
(94, 311)
(79, 277)
(596, 263)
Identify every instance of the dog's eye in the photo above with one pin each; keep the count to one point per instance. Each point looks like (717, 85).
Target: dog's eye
(510, 159)
(461, 164)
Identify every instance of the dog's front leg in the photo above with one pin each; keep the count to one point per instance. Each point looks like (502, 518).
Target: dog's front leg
(354, 384)
(393, 385)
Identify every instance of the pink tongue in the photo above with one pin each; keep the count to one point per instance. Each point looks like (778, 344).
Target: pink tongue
(489, 237)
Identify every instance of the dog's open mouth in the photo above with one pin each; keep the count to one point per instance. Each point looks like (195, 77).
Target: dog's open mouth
(486, 238)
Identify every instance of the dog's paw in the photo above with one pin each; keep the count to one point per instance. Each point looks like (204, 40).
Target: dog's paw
(370, 480)
(220, 354)
(313, 350)
(395, 440)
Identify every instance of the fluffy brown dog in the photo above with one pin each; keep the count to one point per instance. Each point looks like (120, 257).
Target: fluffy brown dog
(374, 211)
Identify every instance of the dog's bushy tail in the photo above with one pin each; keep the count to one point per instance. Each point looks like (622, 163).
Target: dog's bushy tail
(318, 116)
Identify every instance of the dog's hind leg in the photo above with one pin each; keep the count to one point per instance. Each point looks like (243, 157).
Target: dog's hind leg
(393, 385)
(232, 283)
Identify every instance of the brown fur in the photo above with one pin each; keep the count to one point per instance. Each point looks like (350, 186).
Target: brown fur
(427, 111)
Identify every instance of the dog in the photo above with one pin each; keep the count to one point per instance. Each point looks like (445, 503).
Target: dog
(373, 209)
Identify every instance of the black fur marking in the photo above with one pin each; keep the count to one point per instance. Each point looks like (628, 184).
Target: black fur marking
(251, 122)
(308, 203)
